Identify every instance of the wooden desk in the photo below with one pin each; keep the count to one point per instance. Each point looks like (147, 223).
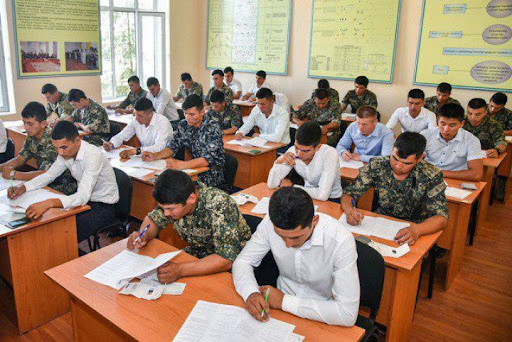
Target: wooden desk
(245, 106)
(100, 313)
(123, 120)
(490, 167)
(366, 201)
(26, 252)
(506, 165)
(402, 274)
(252, 168)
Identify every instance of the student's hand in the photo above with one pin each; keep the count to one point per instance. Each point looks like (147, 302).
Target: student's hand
(239, 136)
(354, 217)
(169, 272)
(119, 110)
(285, 182)
(346, 155)
(175, 164)
(255, 304)
(52, 123)
(125, 154)
(356, 156)
(148, 156)
(6, 171)
(275, 297)
(492, 153)
(16, 191)
(288, 158)
(110, 107)
(407, 235)
(108, 146)
(37, 210)
(299, 122)
(131, 244)
(244, 98)
(324, 129)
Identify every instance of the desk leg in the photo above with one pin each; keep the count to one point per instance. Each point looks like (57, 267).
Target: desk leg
(31, 252)
(458, 242)
(485, 198)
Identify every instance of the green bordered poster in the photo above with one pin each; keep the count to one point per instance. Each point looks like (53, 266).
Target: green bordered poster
(57, 37)
(249, 35)
(466, 43)
(350, 38)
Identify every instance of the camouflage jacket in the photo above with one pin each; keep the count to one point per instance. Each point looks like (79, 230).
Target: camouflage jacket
(351, 98)
(230, 117)
(183, 92)
(95, 117)
(432, 104)
(132, 98)
(489, 132)
(62, 108)
(333, 94)
(225, 89)
(332, 113)
(504, 117)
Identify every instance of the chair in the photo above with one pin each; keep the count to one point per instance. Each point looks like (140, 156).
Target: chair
(371, 268)
(114, 129)
(230, 168)
(9, 152)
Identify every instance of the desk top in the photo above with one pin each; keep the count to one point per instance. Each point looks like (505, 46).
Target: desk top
(123, 118)
(245, 149)
(244, 103)
(494, 162)
(161, 319)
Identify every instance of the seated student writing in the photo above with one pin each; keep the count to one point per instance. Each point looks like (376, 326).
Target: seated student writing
(261, 77)
(227, 115)
(500, 113)
(233, 83)
(442, 97)
(218, 84)
(152, 130)
(317, 263)
(324, 84)
(406, 187)
(188, 87)
(317, 164)
(207, 218)
(58, 106)
(359, 96)
(453, 149)
(136, 93)
(162, 101)
(414, 117)
(486, 129)
(371, 138)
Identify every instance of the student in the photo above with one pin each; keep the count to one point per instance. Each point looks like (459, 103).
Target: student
(58, 106)
(188, 87)
(89, 116)
(218, 84)
(453, 149)
(414, 117)
(202, 137)
(443, 92)
(153, 131)
(486, 129)
(136, 93)
(261, 77)
(227, 115)
(500, 113)
(232, 82)
(207, 219)
(272, 120)
(324, 110)
(324, 84)
(97, 185)
(317, 164)
(3, 143)
(317, 263)
(38, 145)
(360, 96)
(371, 138)
(406, 187)
(162, 101)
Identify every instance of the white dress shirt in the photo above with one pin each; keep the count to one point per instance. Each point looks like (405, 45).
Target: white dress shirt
(425, 120)
(282, 101)
(275, 128)
(153, 138)
(319, 279)
(235, 85)
(3, 137)
(95, 176)
(254, 88)
(164, 104)
(322, 177)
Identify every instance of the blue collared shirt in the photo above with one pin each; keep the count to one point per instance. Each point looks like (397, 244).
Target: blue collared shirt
(378, 143)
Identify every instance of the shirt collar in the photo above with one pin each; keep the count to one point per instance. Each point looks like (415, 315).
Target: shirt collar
(81, 152)
(458, 137)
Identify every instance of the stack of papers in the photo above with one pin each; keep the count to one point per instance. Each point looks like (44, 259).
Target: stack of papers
(457, 193)
(175, 289)
(262, 206)
(508, 139)
(256, 142)
(138, 162)
(375, 226)
(241, 199)
(29, 198)
(7, 183)
(351, 164)
(388, 251)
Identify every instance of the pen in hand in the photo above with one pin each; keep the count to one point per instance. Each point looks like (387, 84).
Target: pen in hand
(266, 300)
(354, 206)
(140, 235)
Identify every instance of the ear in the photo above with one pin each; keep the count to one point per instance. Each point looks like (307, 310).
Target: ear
(315, 220)
(192, 198)
(421, 157)
(44, 123)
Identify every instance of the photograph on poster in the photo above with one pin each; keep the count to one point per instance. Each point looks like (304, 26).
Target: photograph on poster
(81, 56)
(40, 57)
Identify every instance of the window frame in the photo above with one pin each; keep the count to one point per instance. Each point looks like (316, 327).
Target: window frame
(3, 74)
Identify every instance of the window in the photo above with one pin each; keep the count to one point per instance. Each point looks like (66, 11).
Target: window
(133, 43)
(4, 99)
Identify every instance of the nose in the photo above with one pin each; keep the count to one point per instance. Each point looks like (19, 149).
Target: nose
(289, 243)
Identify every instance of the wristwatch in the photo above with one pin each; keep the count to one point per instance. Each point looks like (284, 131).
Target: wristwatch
(498, 150)
(138, 151)
(12, 173)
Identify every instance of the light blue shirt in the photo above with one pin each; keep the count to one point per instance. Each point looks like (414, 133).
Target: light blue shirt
(378, 144)
(454, 154)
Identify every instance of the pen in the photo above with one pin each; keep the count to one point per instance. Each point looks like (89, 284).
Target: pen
(266, 300)
(142, 233)
(354, 204)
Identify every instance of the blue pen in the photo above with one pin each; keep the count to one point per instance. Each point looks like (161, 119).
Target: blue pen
(354, 204)
(142, 233)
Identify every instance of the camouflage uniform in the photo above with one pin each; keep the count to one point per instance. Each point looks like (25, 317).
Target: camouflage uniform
(215, 227)
(333, 94)
(203, 142)
(351, 98)
(45, 154)
(331, 113)
(489, 132)
(230, 117)
(504, 116)
(62, 108)
(225, 89)
(95, 117)
(183, 92)
(418, 197)
(432, 104)
(132, 98)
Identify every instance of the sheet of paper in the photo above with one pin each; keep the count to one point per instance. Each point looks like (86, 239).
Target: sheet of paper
(256, 142)
(375, 226)
(175, 289)
(388, 251)
(143, 291)
(113, 154)
(508, 139)
(29, 198)
(241, 199)
(351, 164)
(7, 183)
(295, 338)
(138, 162)
(11, 208)
(457, 193)
(262, 206)
(294, 125)
(348, 116)
(139, 173)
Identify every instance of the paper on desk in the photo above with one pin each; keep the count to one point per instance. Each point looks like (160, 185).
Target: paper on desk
(351, 164)
(508, 139)
(138, 162)
(388, 251)
(294, 125)
(262, 206)
(7, 183)
(256, 142)
(348, 116)
(142, 291)
(175, 289)
(218, 322)
(135, 172)
(113, 154)
(29, 198)
(241, 199)
(11, 208)
(295, 338)
(375, 226)
(457, 193)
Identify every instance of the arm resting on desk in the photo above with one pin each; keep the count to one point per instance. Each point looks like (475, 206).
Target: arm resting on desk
(474, 172)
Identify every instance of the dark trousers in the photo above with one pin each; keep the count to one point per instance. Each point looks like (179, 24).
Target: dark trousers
(99, 216)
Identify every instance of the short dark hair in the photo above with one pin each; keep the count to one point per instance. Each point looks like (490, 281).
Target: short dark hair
(152, 81)
(75, 95)
(217, 96)
(265, 93)
(65, 130)
(364, 112)
(193, 100)
(48, 88)
(143, 104)
(173, 187)
(309, 134)
(362, 80)
(444, 87)
(34, 110)
(134, 79)
(290, 208)
(186, 77)
(321, 93)
(416, 94)
(262, 74)
(409, 143)
(451, 111)
(477, 103)
(229, 69)
(218, 72)
(323, 84)
(499, 98)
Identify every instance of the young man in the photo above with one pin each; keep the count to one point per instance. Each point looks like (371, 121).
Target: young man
(58, 106)
(202, 137)
(97, 185)
(136, 93)
(188, 87)
(360, 96)
(500, 113)
(208, 219)
(406, 187)
(38, 145)
(232, 82)
(323, 110)
(227, 115)
(261, 77)
(414, 117)
(317, 164)
(485, 128)
(272, 120)
(454, 150)
(317, 263)
(371, 138)
(162, 101)
(153, 131)
(333, 93)
(218, 84)
(90, 117)
(443, 92)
